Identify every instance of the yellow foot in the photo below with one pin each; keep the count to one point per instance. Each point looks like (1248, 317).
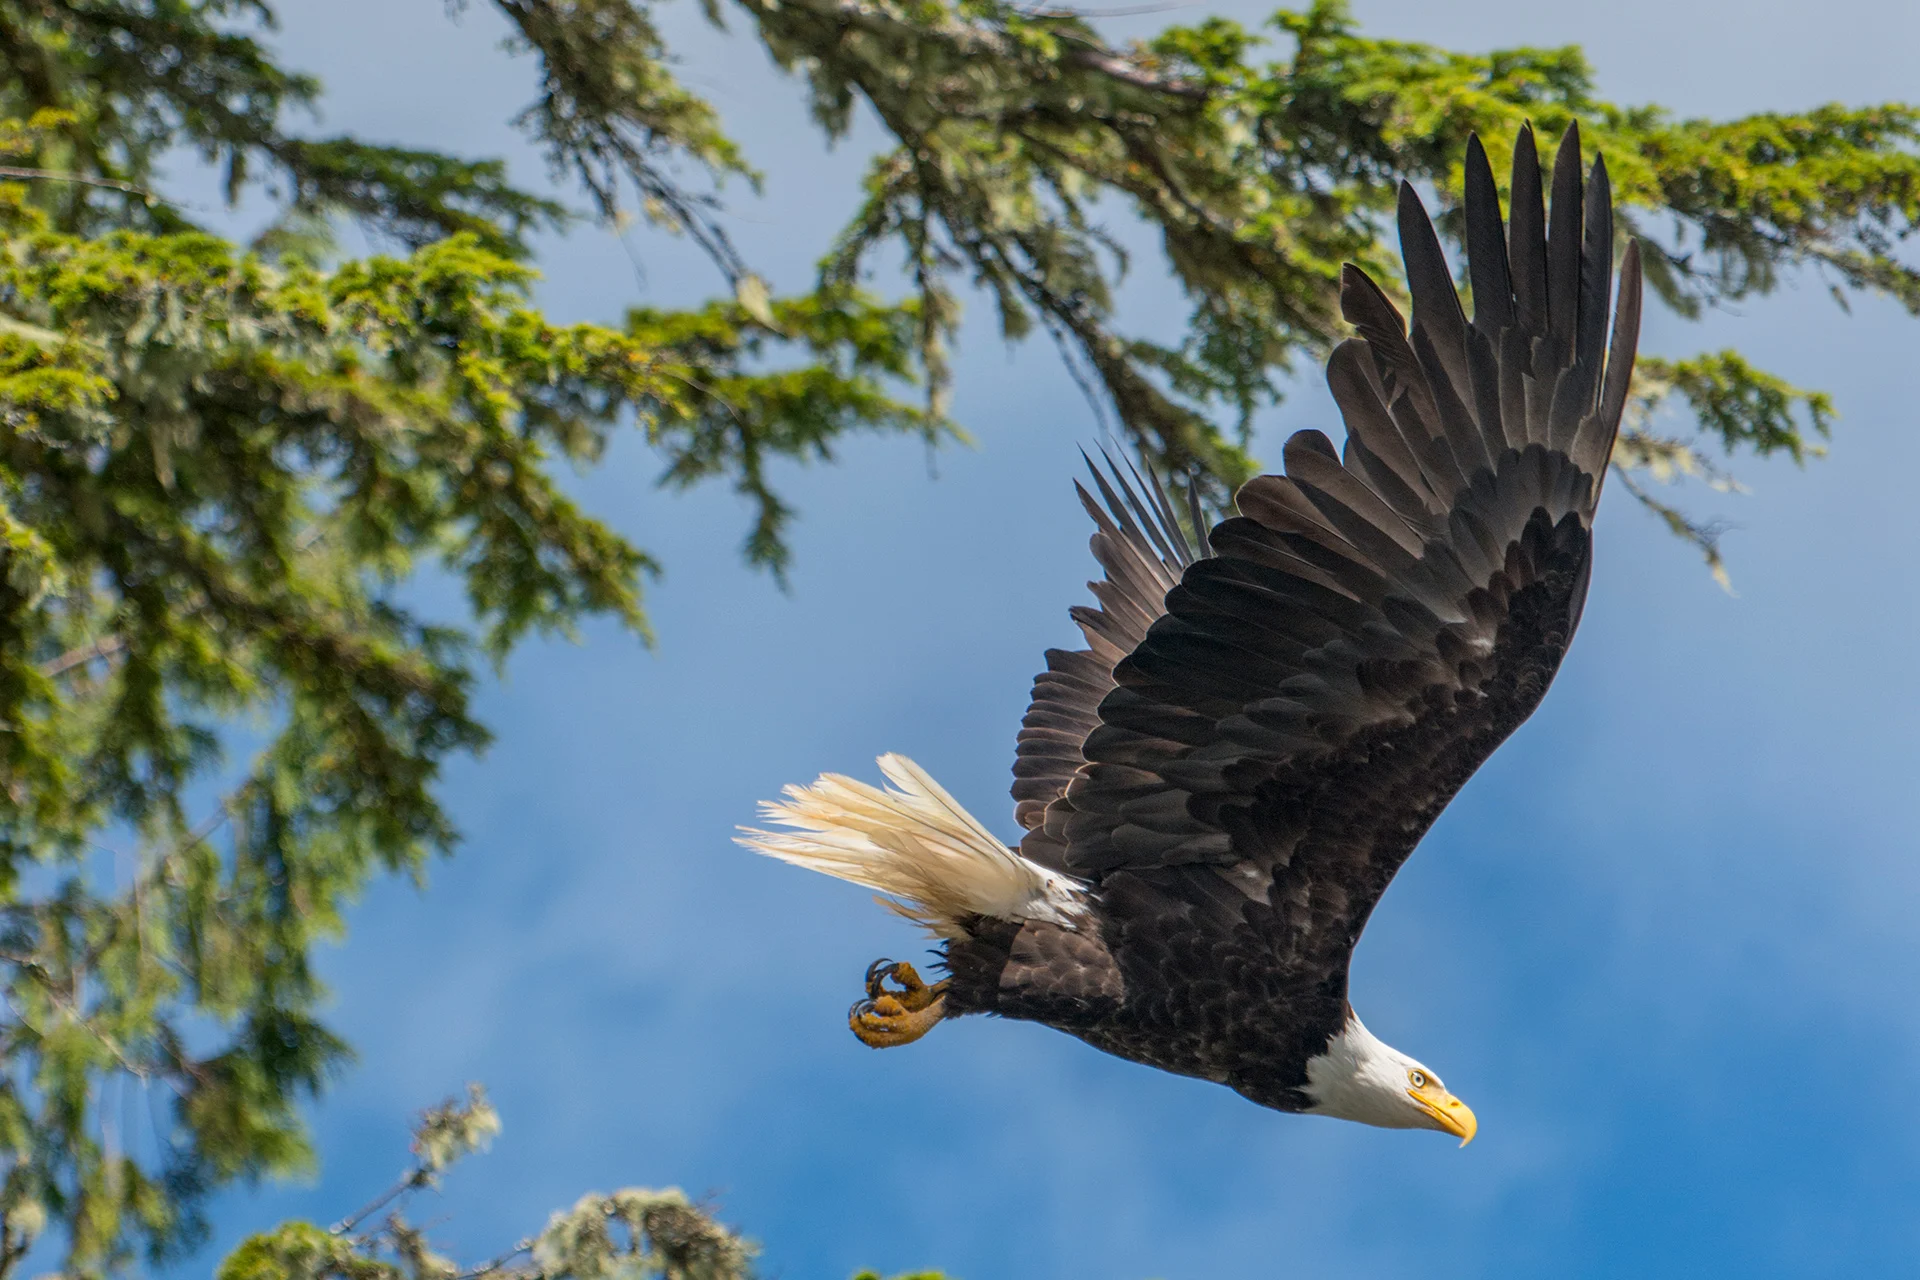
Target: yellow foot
(899, 1014)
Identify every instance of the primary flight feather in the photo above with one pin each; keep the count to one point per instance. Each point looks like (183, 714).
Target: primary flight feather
(1218, 789)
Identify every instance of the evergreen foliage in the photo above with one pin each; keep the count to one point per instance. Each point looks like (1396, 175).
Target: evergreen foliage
(221, 465)
(1263, 161)
(631, 1234)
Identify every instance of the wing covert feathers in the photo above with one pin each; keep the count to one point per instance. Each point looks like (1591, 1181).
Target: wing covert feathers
(913, 842)
(1375, 621)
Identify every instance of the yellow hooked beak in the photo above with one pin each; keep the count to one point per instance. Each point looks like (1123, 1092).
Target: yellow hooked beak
(1448, 1112)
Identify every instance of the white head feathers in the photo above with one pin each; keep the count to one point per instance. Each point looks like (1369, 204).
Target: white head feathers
(1360, 1077)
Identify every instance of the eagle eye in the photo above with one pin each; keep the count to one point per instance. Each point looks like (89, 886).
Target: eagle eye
(1418, 1079)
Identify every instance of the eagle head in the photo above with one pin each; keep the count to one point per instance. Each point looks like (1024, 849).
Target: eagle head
(1361, 1077)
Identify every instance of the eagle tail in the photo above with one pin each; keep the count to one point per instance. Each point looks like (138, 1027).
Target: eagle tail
(933, 861)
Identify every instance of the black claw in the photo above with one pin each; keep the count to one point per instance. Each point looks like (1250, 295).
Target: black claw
(877, 973)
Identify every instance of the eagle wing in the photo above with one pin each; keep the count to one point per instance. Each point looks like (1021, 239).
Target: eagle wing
(1374, 623)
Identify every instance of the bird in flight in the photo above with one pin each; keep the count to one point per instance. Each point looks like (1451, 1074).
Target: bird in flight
(1267, 717)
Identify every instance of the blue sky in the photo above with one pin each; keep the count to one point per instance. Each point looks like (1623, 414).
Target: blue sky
(1662, 943)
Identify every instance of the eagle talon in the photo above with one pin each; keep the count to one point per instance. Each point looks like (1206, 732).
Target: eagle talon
(887, 1018)
(909, 990)
(877, 974)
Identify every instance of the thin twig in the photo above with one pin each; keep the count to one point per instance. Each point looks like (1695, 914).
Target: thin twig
(411, 1181)
(492, 1265)
(86, 653)
(111, 184)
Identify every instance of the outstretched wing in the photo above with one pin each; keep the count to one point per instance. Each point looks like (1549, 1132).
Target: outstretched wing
(1375, 622)
(1139, 543)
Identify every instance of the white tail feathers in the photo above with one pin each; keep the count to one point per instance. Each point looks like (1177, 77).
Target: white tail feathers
(914, 843)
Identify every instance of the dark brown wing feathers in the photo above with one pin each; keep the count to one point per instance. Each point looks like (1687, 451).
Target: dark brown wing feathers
(1493, 307)
(1139, 544)
(1373, 623)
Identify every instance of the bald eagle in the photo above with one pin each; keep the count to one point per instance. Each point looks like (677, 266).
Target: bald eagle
(1219, 787)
